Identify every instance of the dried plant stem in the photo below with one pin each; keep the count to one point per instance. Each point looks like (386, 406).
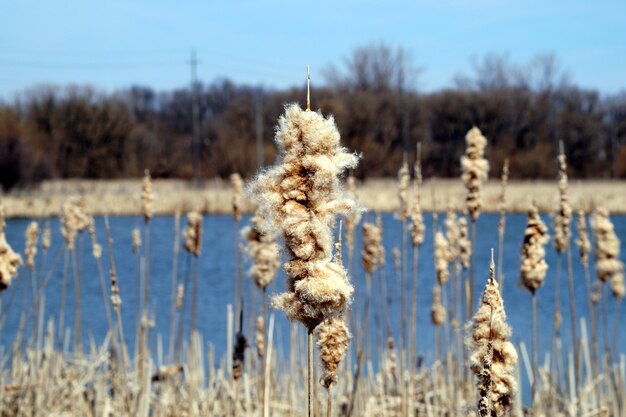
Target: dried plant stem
(175, 253)
(605, 318)
(63, 295)
(534, 347)
(618, 302)
(238, 278)
(263, 359)
(329, 404)
(367, 317)
(413, 333)
(557, 318)
(107, 307)
(500, 257)
(147, 271)
(310, 373)
(403, 292)
(194, 296)
(472, 270)
(78, 333)
(572, 309)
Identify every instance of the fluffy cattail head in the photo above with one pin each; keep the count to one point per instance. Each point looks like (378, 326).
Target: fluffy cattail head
(136, 240)
(263, 250)
(74, 219)
(437, 311)
(96, 249)
(9, 260)
(607, 245)
(351, 220)
(465, 248)
(147, 197)
(301, 195)
(564, 217)
(333, 339)
(417, 220)
(180, 295)
(492, 355)
(372, 239)
(46, 237)
(475, 170)
(533, 268)
(403, 190)
(441, 258)
(617, 284)
(32, 236)
(237, 183)
(260, 336)
(452, 235)
(583, 243)
(193, 233)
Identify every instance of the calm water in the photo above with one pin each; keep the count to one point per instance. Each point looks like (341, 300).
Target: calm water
(216, 281)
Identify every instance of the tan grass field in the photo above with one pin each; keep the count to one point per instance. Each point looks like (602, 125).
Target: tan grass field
(119, 197)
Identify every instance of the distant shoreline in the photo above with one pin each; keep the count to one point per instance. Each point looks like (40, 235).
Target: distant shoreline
(121, 197)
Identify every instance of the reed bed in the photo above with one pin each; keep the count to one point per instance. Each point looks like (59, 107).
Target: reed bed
(369, 361)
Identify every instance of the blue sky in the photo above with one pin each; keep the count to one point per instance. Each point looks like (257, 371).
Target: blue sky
(114, 44)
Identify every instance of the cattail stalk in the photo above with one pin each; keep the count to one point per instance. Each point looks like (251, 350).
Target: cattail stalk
(493, 357)
(174, 289)
(193, 245)
(301, 195)
(533, 272)
(475, 171)
(502, 223)
(417, 238)
(403, 191)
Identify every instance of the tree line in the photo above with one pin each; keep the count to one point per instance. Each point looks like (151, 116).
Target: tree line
(523, 110)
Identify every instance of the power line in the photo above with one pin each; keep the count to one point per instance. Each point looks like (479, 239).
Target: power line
(46, 65)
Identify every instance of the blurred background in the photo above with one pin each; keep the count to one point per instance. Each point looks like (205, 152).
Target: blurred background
(193, 89)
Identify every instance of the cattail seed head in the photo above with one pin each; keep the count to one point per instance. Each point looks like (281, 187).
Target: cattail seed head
(147, 197)
(465, 248)
(9, 260)
(96, 249)
(136, 240)
(607, 245)
(617, 284)
(417, 220)
(46, 237)
(583, 243)
(437, 311)
(371, 246)
(441, 258)
(193, 233)
(32, 236)
(263, 250)
(492, 355)
(403, 190)
(260, 336)
(333, 339)
(237, 183)
(381, 245)
(180, 294)
(596, 293)
(564, 217)
(301, 195)
(533, 268)
(74, 219)
(475, 170)
(452, 235)
(352, 219)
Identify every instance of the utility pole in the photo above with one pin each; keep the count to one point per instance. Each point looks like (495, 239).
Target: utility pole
(195, 115)
(260, 154)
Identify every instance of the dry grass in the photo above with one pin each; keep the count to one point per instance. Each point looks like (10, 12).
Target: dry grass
(119, 197)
